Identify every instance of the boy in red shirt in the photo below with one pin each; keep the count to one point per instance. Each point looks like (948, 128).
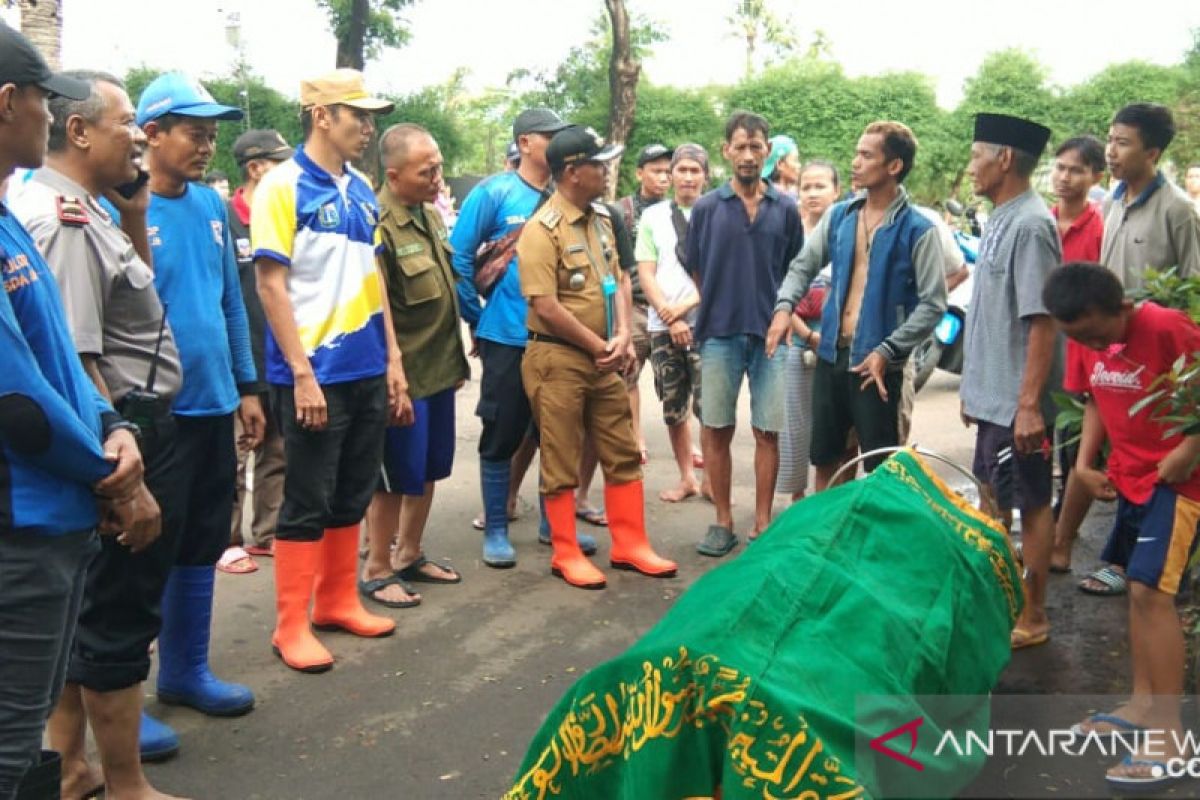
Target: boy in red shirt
(1155, 482)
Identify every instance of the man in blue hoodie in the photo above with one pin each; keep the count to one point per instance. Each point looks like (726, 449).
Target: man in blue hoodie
(52, 420)
(196, 275)
(886, 294)
(492, 214)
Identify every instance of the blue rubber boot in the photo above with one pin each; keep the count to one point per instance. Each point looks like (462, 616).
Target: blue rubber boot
(587, 543)
(156, 740)
(493, 478)
(183, 674)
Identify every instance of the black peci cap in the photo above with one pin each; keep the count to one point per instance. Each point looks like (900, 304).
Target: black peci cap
(22, 64)
(1009, 131)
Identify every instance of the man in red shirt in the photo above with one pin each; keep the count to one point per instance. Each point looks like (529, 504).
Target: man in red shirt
(1078, 166)
(1154, 479)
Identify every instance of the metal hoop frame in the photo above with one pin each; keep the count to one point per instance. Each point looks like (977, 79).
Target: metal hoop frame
(854, 462)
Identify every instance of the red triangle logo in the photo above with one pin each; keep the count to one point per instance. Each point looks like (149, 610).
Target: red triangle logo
(878, 744)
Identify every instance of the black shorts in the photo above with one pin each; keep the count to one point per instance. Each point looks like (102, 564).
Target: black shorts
(121, 611)
(503, 405)
(839, 406)
(1018, 481)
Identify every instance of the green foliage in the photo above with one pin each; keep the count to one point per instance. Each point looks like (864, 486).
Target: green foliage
(1167, 288)
(430, 109)
(814, 102)
(1088, 107)
(578, 87)
(671, 116)
(384, 26)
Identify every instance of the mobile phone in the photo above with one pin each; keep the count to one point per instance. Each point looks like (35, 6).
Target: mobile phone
(128, 190)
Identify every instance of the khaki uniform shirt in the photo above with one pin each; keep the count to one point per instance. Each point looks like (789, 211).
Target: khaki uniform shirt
(416, 263)
(108, 292)
(566, 252)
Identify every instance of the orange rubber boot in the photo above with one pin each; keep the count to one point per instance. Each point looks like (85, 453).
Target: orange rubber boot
(568, 561)
(337, 604)
(625, 504)
(293, 640)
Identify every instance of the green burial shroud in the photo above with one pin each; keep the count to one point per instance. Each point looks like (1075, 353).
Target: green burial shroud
(767, 678)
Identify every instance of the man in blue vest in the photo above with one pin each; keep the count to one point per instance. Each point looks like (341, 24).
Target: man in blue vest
(886, 295)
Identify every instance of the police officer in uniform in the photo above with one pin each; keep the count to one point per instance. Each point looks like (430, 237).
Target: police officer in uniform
(578, 344)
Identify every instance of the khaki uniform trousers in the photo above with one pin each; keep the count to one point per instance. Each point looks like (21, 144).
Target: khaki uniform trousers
(570, 398)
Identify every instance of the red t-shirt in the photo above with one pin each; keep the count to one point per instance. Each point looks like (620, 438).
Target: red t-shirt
(1118, 378)
(1082, 240)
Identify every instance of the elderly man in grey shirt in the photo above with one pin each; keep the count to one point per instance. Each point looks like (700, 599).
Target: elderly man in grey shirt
(1012, 356)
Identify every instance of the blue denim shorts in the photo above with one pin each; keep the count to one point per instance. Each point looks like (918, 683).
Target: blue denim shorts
(723, 362)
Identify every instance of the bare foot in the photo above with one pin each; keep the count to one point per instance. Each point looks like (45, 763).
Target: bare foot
(140, 791)
(80, 779)
(682, 492)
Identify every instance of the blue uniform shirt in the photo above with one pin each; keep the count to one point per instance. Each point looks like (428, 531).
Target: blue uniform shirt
(492, 209)
(195, 272)
(47, 484)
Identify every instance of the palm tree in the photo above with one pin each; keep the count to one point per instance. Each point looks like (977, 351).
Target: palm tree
(41, 22)
(754, 22)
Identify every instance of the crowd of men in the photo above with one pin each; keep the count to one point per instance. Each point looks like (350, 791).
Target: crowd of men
(159, 333)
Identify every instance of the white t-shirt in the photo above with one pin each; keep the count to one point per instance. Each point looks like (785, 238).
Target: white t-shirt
(656, 242)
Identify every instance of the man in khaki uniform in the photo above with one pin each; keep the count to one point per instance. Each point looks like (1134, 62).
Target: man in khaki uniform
(416, 264)
(578, 340)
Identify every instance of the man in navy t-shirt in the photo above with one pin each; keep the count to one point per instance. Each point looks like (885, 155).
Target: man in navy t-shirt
(741, 238)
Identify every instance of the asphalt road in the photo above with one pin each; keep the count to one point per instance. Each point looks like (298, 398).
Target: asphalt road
(446, 707)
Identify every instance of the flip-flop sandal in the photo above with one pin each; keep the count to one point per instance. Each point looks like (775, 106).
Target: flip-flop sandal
(592, 516)
(1114, 583)
(1158, 779)
(368, 589)
(414, 574)
(1121, 726)
(697, 461)
(264, 552)
(718, 541)
(1022, 639)
(236, 561)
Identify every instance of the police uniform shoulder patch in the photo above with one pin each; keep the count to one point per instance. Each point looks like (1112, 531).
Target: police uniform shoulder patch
(550, 218)
(601, 209)
(71, 211)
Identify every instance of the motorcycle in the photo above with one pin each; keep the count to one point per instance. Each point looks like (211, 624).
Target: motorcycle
(944, 347)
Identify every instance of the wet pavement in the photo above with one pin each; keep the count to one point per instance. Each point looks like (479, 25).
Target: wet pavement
(446, 707)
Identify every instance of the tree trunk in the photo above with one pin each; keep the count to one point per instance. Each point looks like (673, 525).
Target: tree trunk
(623, 72)
(351, 46)
(41, 22)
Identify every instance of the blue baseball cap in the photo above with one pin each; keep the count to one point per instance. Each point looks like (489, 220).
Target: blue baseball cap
(176, 93)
